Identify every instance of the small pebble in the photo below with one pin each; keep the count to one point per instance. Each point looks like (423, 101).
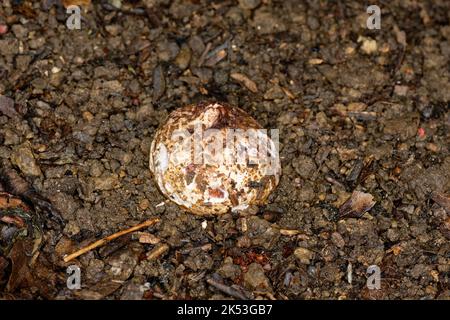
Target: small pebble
(3, 29)
(144, 204)
(368, 46)
(303, 255)
(255, 277)
(249, 4)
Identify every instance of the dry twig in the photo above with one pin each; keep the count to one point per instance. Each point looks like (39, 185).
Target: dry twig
(226, 289)
(109, 238)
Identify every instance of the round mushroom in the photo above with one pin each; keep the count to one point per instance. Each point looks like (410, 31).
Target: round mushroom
(210, 158)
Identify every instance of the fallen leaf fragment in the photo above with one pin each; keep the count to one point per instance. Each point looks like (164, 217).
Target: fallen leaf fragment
(358, 203)
(20, 274)
(13, 220)
(8, 201)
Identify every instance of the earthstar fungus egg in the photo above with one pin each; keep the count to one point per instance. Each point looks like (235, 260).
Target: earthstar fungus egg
(210, 158)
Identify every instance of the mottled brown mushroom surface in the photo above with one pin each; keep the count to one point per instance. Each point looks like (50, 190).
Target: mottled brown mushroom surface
(212, 157)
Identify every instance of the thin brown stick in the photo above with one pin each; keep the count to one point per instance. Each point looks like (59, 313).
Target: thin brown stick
(109, 238)
(227, 289)
(203, 56)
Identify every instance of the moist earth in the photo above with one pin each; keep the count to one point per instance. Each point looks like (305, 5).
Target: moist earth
(357, 109)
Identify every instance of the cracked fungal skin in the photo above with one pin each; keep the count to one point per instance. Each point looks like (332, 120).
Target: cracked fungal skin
(206, 168)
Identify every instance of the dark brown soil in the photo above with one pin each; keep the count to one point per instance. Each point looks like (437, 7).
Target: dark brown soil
(357, 109)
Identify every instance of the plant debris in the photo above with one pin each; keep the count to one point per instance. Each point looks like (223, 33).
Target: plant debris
(356, 109)
(7, 106)
(357, 204)
(68, 3)
(242, 78)
(109, 238)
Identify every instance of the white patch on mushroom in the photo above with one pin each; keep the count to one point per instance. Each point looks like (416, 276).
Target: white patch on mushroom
(239, 207)
(162, 161)
(191, 193)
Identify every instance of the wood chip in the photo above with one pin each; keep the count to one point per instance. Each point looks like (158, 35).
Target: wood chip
(363, 115)
(288, 93)
(242, 78)
(68, 3)
(159, 83)
(216, 58)
(157, 251)
(302, 237)
(244, 226)
(145, 237)
(315, 61)
(204, 54)
(287, 232)
(400, 36)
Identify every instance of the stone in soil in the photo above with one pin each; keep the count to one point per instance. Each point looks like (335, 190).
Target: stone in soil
(304, 255)
(255, 277)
